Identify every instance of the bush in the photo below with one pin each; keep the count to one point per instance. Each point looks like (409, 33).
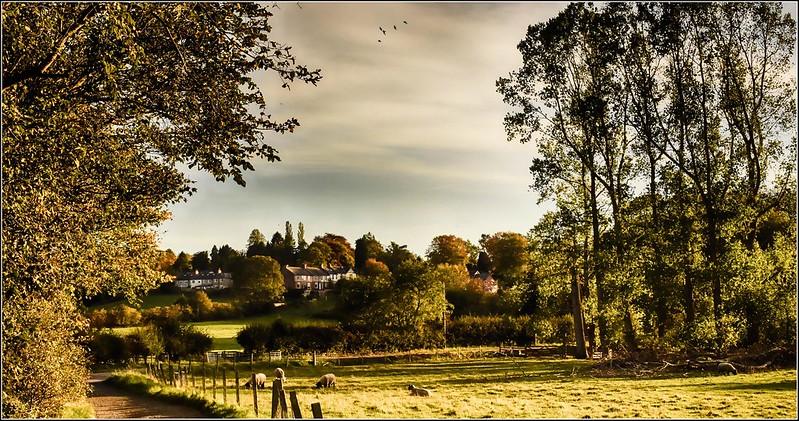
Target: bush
(279, 335)
(181, 341)
(107, 348)
(117, 316)
(98, 319)
(177, 312)
(145, 342)
(493, 330)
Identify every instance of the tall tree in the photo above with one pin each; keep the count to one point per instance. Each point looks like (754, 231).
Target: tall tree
(112, 99)
(343, 254)
(288, 238)
(259, 280)
(256, 238)
(182, 264)
(366, 247)
(448, 249)
(301, 243)
(508, 252)
(200, 261)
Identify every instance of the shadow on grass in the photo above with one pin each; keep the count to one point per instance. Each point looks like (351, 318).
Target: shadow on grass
(770, 386)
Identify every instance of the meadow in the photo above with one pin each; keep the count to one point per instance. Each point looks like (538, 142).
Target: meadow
(521, 388)
(224, 332)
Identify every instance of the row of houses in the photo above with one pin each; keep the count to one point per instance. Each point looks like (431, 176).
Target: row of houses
(304, 278)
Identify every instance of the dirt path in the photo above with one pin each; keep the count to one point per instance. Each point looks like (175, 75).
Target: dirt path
(113, 402)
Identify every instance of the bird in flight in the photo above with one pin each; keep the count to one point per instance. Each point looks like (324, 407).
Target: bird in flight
(382, 30)
(405, 22)
(395, 27)
(298, 5)
(380, 40)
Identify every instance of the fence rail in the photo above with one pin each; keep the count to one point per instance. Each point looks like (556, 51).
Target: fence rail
(207, 373)
(214, 356)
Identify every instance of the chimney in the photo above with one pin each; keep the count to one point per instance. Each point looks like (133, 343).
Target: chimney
(304, 265)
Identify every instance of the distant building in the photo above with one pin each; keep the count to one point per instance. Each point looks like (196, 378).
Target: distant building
(204, 280)
(309, 278)
(486, 280)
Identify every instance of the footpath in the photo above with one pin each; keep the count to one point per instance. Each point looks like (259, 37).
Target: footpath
(113, 402)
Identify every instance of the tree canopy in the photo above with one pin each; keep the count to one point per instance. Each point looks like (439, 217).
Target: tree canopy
(101, 102)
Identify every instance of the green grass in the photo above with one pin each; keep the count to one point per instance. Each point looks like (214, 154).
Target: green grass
(142, 385)
(82, 409)
(224, 332)
(496, 388)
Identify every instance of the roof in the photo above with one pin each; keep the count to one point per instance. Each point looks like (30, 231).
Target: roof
(484, 276)
(203, 275)
(315, 271)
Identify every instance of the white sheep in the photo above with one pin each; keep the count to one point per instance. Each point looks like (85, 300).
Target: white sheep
(328, 380)
(260, 381)
(280, 374)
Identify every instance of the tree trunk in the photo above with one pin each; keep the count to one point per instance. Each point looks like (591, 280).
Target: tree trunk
(598, 269)
(577, 314)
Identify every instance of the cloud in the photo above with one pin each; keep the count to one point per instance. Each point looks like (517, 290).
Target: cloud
(403, 138)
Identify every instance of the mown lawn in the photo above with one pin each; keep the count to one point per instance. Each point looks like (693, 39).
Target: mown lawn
(549, 388)
(224, 331)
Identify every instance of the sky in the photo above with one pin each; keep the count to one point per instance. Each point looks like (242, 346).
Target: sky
(402, 138)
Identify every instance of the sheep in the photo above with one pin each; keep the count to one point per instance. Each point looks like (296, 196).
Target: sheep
(727, 368)
(328, 380)
(280, 374)
(418, 391)
(260, 381)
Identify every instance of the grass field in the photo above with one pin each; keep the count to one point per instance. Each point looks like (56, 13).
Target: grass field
(224, 331)
(549, 388)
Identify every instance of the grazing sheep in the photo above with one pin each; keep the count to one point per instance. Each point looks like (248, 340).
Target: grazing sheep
(279, 374)
(328, 380)
(260, 381)
(418, 391)
(727, 368)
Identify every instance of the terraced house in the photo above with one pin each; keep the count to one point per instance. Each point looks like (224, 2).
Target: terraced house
(308, 278)
(204, 280)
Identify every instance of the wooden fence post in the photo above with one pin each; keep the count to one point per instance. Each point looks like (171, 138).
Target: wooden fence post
(224, 386)
(180, 375)
(213, 383)
(277, 385)
(284, 410)
(203, 377)
(193, 384)
(254, 393)
(316, 408)
(314, 358)
(295, 405)
(236, 371)
(251, 358)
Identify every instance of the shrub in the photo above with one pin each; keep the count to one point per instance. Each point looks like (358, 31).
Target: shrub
(492, 330)
(124, 316)
(145, 342)
(182, 341)
(175, 312)
(98, 319)
(108, 348)
(279, 335)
